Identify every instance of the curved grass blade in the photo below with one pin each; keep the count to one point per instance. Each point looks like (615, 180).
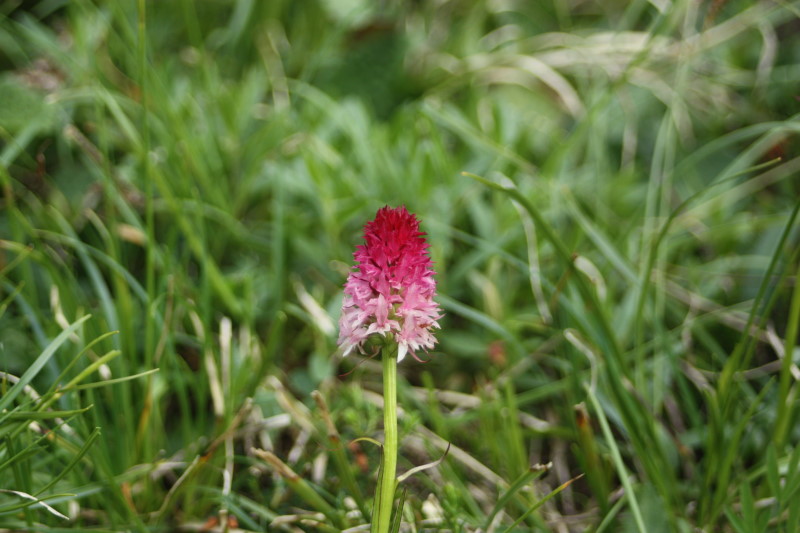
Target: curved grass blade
(426, 466)
(300, 486)
(107, 382)
(74, 361)
(542, 502)
(533, 473)
(77, 457)
(37, 365)
(30, 501)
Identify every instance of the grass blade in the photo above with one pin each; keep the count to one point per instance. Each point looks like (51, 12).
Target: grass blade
(622, 472)
(39, 363)
(533, 473)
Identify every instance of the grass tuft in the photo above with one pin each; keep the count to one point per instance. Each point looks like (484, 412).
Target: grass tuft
(610, 194)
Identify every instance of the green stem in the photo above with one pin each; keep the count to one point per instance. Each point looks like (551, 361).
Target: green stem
(388, 468)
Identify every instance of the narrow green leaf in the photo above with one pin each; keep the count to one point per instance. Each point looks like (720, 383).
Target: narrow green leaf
(787, 408)
(541, 502)
(398, 513)
(736, 521)
(74, 361)
(622, 472)
(748, 508)
(113, 381)
(532, 474)
(74, 461)
(100, 361)
(773, 475)
(45, 415)
(376, 502)
(39, 363)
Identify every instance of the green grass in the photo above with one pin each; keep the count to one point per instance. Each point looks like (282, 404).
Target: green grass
(611, 195)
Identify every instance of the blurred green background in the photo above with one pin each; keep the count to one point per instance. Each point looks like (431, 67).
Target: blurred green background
(610, 191)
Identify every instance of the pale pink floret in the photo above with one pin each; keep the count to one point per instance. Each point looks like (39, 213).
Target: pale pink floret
(391, 288)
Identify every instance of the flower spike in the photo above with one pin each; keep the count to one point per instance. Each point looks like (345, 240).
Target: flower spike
(390, 290)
